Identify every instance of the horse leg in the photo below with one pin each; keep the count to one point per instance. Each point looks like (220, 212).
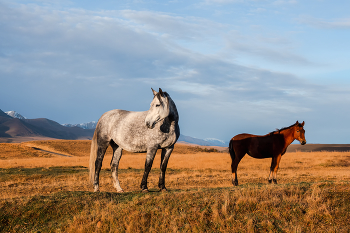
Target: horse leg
(101, 150)
(117, 154)
(273, 169)
(273, 164)
(236, 158)
(278, 159)
(270, 180)
(166, 152)
(151, 152)
(234, 173)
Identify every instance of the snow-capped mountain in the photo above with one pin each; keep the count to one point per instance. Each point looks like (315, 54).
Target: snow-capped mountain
(15, 114)
(89, 125)
(203, 142)
(217, 142)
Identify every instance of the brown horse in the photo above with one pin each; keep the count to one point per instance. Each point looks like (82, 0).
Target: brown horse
(272, 145)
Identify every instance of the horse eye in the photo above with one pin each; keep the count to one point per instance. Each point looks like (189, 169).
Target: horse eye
(157, 105)
(298, 131)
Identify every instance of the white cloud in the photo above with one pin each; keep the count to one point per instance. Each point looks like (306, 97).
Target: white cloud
(285, 2)
(88, 62)
(343, 23)
(268, 47)
(187, 28)
(197, 89)
(223, 1)
(258, 10)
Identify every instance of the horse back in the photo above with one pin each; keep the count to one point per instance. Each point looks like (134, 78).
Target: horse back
(242, 136)
(239, 144)
(121, 126)
(255, 145)
(267, 146)
(114, 119)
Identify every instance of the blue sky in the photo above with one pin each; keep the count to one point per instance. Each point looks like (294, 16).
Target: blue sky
(231, 66)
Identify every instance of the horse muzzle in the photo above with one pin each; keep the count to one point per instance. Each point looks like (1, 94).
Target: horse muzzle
(149, 125)
(303, 142)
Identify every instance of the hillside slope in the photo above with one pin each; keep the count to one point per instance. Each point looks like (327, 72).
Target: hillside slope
(13, 127)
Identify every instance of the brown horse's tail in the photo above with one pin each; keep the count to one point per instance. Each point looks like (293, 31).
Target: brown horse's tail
(232, 152)
(93, 156)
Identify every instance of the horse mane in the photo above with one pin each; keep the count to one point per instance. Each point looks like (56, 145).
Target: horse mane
(279, 130)
(164, 93)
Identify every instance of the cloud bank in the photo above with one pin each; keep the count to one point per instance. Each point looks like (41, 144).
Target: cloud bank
(72, 65)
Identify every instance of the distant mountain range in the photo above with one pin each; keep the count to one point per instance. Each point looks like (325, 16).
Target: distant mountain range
(202, 142)
(11, 127)
(89, 125)
(13, 124)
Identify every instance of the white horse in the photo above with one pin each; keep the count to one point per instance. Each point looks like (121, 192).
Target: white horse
(147, 131)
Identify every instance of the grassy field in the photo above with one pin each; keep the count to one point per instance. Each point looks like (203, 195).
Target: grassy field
(41, 191)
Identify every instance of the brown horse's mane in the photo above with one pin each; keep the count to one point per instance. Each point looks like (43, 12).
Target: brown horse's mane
(279, 130)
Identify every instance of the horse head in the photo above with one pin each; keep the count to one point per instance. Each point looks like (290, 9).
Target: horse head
(299, 133)
(159, 108)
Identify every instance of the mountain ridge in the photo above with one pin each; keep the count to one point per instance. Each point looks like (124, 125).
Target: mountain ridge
(89, 125)
(11, 127)
(15, 114)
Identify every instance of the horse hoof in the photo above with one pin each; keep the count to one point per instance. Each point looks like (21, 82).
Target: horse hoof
(274, 181)
(163, 190)
(270, 181)
(235, 182)
(145, 190)
(120, 191)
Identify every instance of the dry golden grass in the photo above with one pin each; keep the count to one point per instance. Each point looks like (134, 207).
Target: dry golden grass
(76, 148)
(195, 169)
(67, 147)
(201, 196)
(203, 169)
(11, 151)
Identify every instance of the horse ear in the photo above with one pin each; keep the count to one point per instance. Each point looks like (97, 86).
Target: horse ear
(154, 92)
(302, 124)
(161, 92)
(297, 123)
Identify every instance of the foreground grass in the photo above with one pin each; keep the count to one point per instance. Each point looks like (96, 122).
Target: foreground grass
(303, 207)
(40, 193)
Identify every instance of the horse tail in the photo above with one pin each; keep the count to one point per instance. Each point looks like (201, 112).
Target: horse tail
(93, 156)
(230, 149)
